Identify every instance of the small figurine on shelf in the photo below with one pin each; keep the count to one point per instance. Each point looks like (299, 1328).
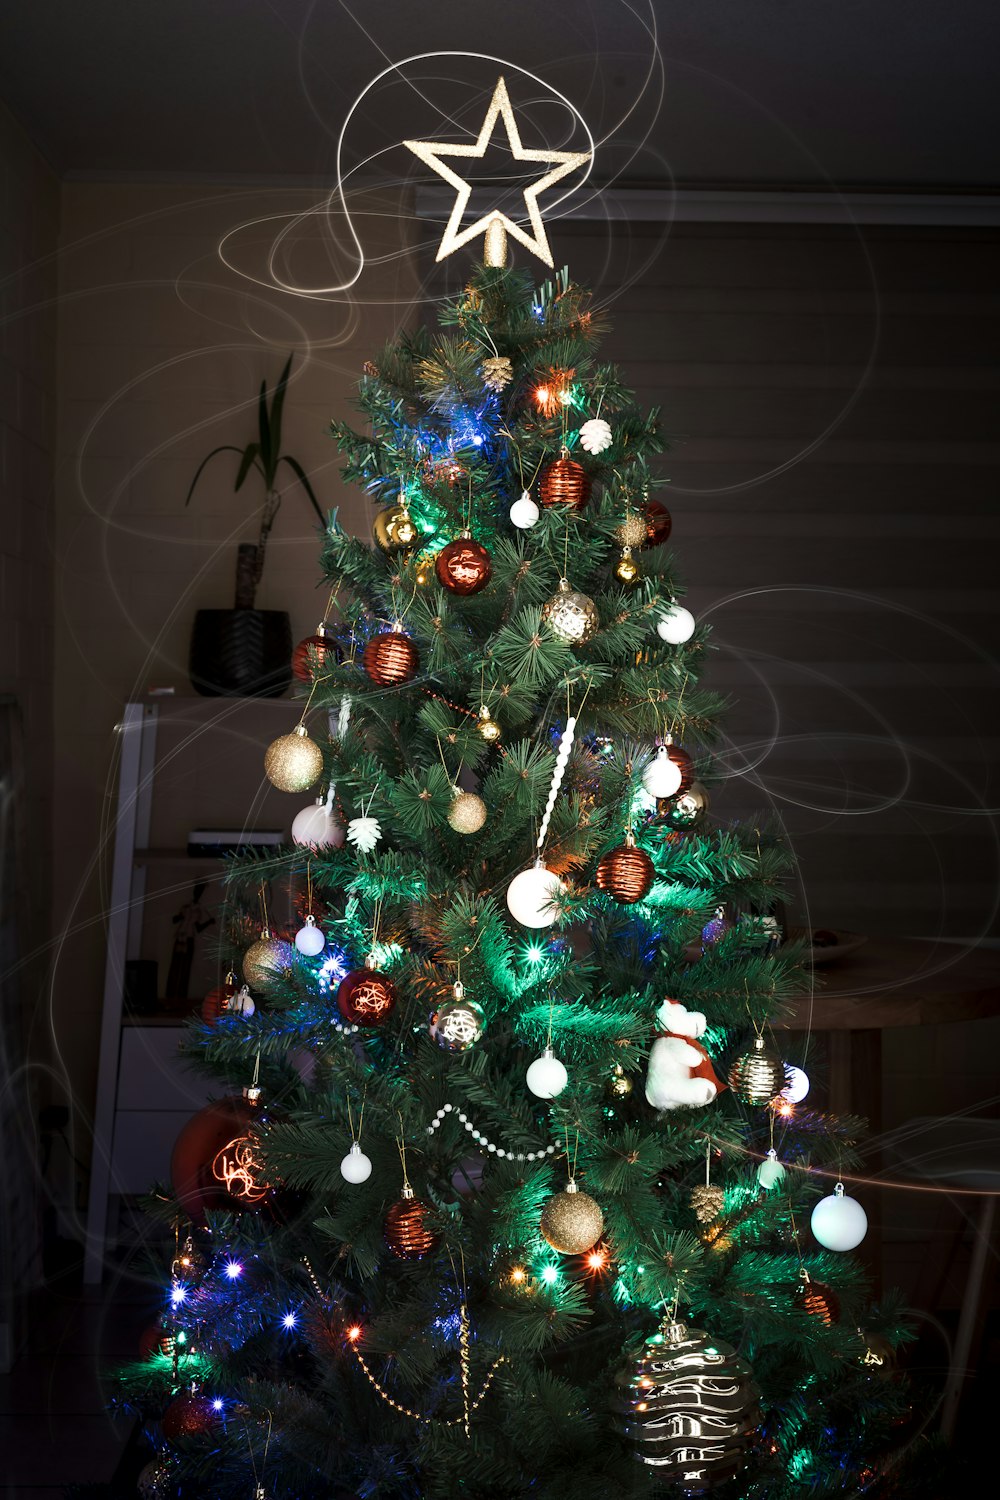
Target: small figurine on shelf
(189, 921)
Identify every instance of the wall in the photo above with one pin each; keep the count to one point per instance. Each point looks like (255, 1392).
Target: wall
(161, 351)
(29, 217)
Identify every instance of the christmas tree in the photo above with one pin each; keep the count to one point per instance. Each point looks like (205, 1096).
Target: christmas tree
(513, 1200)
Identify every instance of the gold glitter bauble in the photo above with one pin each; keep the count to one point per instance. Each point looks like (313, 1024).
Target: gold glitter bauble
(467, 813)
(571, 1221)
(572, 617)
(293, 762)
(627, 570)
(267, 962)
(757, 1076)
(394, 529)
(707, 1201)
(631, 532)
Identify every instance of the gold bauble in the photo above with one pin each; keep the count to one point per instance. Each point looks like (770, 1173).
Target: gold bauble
(572, 617)
(394, 529)
(621, 1084)
(571, 1221)
(631, 532)
(627, 570)
(488, 726)
(467, 813)
(293, 762)
(267, 962)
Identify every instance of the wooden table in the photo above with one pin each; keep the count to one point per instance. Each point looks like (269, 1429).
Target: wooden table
(886, 983)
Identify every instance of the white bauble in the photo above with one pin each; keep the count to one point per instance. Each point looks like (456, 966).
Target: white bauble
(356, 1166)
(662, 777)
(676, 625)
(524, 512)
(241, 1004)
(839, 1222)
(797, 1087)
(546, 1077)
(770, 1172)
(317, 827)
(310, 939)
(530, 896)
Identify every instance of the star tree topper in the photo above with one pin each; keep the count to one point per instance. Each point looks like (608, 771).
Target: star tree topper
(495, 224)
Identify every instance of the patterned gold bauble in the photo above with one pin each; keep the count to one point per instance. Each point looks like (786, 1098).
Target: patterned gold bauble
(487, 726)
(572, 617)
(390, 659)
(707, 1201)
(458, 1023)
(627, 570)
(571, 1221)
(564, 482)
(406, 1230)
(631, 532)
(819, 1301)
(758, 1075)
(684, 810)
(268, 962)
(293, 762)
(688, 1407)
(394, 529)
(467, 813)
(626, 873)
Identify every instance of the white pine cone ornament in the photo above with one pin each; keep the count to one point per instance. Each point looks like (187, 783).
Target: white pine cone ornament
(707, 1201)
(595, 435)
(364, 833)
(497, 372)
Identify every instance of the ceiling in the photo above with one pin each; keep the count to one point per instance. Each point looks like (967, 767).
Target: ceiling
(887, 94)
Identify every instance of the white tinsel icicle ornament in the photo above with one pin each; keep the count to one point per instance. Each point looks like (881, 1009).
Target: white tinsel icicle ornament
(595, 435)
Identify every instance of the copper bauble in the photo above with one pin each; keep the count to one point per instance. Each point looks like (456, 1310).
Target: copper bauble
(564, 482)
(365, 997)
(685, 765)
(394, 529)
(191, 1414)
(688, 1407)
(390, 659)
(819, 1301)
(684, 810)
(314, 656)
(464, 566)
(758, 1075)
(197, 1185)
(626, 873)
(293, 762)
(406, 1230)
(658, 522)
(571, 1221)
(467, 813)
(571, 616)
(156, 1340)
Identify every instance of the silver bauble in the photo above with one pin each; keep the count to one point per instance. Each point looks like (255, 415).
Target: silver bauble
(686, 810)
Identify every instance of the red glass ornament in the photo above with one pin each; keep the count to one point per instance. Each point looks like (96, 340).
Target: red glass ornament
(564, 482)
(390, 659)
(405, 1229)
(365, 997)
(626, 873)
(464, 566)
(309, 656)
(190, 1414)
(659, 522)
(197, 1184)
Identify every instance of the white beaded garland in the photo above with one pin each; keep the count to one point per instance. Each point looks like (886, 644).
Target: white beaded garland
(481, 1140)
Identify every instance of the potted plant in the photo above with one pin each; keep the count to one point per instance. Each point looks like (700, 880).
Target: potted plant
(244, 650)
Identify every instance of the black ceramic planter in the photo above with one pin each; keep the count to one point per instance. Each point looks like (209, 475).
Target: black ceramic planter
(239, 653)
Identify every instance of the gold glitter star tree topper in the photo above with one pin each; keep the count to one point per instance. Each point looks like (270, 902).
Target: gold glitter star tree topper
(496, 225)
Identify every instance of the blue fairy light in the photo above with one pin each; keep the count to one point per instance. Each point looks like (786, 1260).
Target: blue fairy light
(290, 1320)
(234, 1270)
(178, 1293)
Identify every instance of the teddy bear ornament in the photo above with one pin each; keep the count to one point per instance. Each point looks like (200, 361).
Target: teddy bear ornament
(680, 1073)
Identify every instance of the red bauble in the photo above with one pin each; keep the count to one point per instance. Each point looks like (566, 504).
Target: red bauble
(309, 656)
(464, 566)
(626, 873)
(564, 482)
(217, 1001)
(658, 523)
(365, 997)
(155, 1340)
(189, 1415)
(390, 659)
(214, 1164)
(684, 764)
(406, 1231)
